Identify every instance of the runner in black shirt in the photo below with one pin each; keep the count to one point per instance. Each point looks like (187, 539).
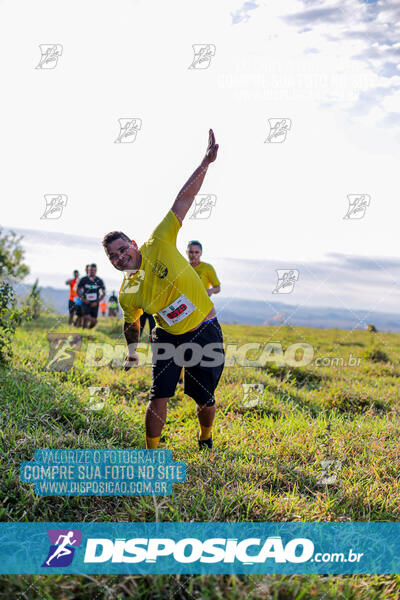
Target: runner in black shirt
(92, 291)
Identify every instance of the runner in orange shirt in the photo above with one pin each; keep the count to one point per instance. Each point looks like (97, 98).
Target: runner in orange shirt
(72, 295)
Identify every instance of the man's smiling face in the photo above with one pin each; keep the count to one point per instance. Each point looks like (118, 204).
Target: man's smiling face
(123, 255)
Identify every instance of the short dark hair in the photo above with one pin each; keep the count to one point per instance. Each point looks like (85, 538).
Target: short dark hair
(115, 235)
(94, 265)
(195, 243)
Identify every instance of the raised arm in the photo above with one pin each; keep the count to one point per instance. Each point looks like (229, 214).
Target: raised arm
(184, 199)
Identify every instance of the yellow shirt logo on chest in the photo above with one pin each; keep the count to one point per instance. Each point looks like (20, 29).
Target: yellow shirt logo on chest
(160, 269)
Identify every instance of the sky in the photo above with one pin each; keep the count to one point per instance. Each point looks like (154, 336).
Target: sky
(328, 70)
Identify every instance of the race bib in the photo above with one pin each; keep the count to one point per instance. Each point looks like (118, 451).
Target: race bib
(177, 310)
(92, 296)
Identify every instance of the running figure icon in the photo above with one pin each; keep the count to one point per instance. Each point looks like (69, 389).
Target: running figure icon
(62, 549)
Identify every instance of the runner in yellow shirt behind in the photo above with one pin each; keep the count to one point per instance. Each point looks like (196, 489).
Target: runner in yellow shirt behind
(204, 270)
(160, 281)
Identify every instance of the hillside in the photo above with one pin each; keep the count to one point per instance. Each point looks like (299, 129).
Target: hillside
(254, 312)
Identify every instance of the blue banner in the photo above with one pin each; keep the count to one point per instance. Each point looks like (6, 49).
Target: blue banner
(199, 548)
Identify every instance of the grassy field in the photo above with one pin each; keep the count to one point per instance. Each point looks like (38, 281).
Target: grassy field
(319, 444)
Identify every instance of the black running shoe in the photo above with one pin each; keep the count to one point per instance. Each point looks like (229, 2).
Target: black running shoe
(205, 444)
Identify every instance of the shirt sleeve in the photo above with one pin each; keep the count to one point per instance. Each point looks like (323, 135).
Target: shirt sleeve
(168, 229)
(212, 277)
(131, 315)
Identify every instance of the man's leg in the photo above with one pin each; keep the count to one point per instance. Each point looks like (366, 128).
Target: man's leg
(71, 312)
(201, 380)
(206, 415)
(156, 415)
(165, 378)
(93, 316)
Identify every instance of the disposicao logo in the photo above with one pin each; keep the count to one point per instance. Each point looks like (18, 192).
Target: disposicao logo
(63, 543)
(189, 550)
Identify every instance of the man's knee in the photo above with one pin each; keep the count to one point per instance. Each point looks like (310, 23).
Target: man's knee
(205, 402)
(157, 401)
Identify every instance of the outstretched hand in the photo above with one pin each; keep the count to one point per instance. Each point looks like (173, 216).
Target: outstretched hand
(212, 148)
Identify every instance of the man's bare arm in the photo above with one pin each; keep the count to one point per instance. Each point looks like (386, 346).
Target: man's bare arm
(131, 332)
(184, 199)
(80, 293)
(214, 290)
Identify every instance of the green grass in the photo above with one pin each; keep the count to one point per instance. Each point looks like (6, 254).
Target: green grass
(267, 464)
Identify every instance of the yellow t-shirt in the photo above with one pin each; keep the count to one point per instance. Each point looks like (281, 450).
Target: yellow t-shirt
(207, 275)
(165, 285)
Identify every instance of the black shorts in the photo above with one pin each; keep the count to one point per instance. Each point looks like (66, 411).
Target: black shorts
(71, 307)
(78, 310)
(200, 352)
(92, 311)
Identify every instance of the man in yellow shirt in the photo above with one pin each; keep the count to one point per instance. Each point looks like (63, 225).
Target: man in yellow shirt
(204, 270)
(159, 280)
